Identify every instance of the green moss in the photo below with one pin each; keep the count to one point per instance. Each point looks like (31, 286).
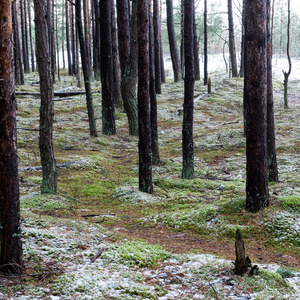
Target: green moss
(36, 179)
(291, 203)
(141, 254)
(285, 273)
(232, 206)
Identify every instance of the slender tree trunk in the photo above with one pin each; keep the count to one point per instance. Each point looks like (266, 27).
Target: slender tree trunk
(145, 161)
(205, 79)
(24, 32)
(287, 74)
(188, 105)
(97, 41)
(10, 221)
(117, 98)
(196, 51)
(257, 192)
(242, 67)
(153, 100)
(129, 78)
(63, 38)
(232, 41)
(157, 48)
(162, 65)
(182, 39)
(172, 41)
(49, 182)
(19, 75)
(31, 40)
(86, 71)
(87, 33)
(108, 110)
(68, 39)
(271, 144)
(57, 47)
(26, 35)
(73, 43)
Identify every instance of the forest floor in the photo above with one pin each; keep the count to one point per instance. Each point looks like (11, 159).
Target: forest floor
(177, 243)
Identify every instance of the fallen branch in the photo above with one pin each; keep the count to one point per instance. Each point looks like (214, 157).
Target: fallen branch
(28, 129)
(97, 255)
(97, 215)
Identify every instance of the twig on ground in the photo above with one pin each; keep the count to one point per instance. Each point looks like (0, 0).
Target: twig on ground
(98, 254)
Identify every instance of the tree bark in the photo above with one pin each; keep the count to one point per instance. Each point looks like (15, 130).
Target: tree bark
(172, 41)
(19, 75)
(145, 161)
(87, 34)
(31, 40)
(232, 41)
(196, 51)
(153, 100)
(205, 78)
(24, 39)
(255, 94)
(108, 110)
(48, 162)
(97, 41)
(242, 263)
(117, 97)
(271, 144)
(68, 40)
(242, 67)
(129, 78)
(86, 71)
(188, 105)
(10, 222)
(157, 48)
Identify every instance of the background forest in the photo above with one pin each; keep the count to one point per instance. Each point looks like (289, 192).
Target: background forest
(93, 231)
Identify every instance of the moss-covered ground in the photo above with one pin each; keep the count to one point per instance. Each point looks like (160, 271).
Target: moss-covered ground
(201, 215)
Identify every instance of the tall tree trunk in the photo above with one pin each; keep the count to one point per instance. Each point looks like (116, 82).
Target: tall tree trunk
(31, 40)
(117, 98)
(288, 73)
(24, 39)
(63, 38)
(188, 105)
(196, 51)
(86, 70)
(73, 43)
(271, 144)
(182, 39)
(145, 161)
(205, 78)
(87, 34)
(49, 182)
(242, 67)
(70, 68)
(232, 41)
(57, 45)
(19, 75)
(157, 48)
(257, 192)
(172, 41)
(10, 221)
(108, 109)
(26, 35)
(162, 65)
(129, 77)
(96, 41)
(153, 100)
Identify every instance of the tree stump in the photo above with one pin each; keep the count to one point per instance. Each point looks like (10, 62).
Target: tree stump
(242, 264)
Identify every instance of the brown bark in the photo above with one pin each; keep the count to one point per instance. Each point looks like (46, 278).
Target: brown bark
(153, 100)
(68, 39)
(48, 162)
(117, 98)
(108, 109)
(188, 105)
(129, 78)
(24, 38)
(242, 263)
(271, 144)
(10, 223)
(87, 33)
(172, 41)
(232, 41)
(73, 43)
(19, 75)
(86, 70)
(145, 162)
(96, 42)
(205, 79)
(157, 48)
(196, 51)
(30, 36)
(255, 94)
